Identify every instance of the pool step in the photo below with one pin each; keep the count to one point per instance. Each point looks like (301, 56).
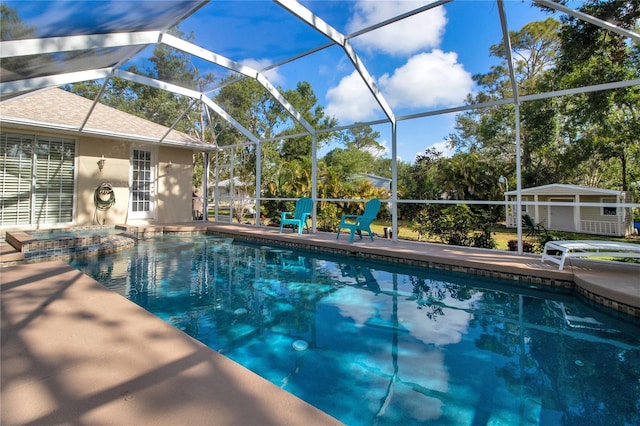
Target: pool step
(9, 255)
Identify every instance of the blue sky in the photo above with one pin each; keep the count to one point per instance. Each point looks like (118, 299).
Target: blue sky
(422, 63)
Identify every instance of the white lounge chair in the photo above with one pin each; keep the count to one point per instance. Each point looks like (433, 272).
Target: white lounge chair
(588, 248)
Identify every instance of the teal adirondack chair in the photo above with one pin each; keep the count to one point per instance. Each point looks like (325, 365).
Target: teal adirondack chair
(300, 215)
(359, 223)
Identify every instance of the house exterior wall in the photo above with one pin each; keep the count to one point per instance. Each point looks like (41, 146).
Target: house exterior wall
(543, 213)
(173, 185)
(589, 219)
(595, 213)
(89, 177)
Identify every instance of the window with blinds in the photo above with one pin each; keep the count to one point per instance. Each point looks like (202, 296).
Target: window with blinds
(37, 179)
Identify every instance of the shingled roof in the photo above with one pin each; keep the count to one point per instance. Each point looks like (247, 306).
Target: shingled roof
(57, 109)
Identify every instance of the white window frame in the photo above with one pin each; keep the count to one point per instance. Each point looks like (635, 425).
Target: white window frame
(608, 200)
(153, 183)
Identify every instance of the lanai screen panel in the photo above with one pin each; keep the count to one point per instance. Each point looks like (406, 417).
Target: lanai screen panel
(421, 56)
(46, 19)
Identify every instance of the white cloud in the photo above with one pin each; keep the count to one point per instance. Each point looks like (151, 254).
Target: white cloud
(272, 75)
(410, 35)
(360, 306)
(443, 147)
(350, 100)
(386, 152)
(427, 80)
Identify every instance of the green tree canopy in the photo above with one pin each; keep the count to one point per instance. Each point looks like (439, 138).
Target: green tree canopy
(491, 131)
(11, 26)
(603, 125)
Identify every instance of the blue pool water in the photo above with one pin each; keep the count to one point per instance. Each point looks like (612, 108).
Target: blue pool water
(389, 344)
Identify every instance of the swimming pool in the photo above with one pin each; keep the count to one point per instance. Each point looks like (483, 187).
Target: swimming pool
(388, 344)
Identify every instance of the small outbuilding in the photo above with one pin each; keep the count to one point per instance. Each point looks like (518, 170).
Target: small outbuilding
(573, 208)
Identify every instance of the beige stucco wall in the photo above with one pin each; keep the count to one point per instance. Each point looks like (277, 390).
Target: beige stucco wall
(173, 185)
(89, 177)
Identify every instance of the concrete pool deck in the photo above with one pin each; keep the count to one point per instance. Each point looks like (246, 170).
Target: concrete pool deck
(74, 352)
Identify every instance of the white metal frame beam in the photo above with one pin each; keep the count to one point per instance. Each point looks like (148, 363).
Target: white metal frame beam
(227, 63)
(95, 102)
(595, 21)
(337, 37)
(163, 85)
(35, 83)
(523, 98)
(222, 113)
(189, 93)
(43, 46)
(516, 102)
(177, 120)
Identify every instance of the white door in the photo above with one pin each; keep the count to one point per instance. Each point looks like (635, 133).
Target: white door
(561, 218)
(143, 196)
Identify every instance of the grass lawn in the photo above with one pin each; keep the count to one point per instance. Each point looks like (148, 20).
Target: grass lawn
(500, 234)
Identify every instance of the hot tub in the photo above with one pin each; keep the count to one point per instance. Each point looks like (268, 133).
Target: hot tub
(65, 243)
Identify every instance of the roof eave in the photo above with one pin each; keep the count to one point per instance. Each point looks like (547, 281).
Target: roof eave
(184, 144)
(568, 190)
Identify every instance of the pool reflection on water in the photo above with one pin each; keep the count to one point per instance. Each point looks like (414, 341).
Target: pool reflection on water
(388, 344)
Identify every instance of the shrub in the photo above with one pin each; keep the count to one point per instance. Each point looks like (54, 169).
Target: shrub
(420, 224)
(272, 209)
(326, 218)
(452, 224)
(456, 225)
(483, 239)
(527, 247)
(537, 231)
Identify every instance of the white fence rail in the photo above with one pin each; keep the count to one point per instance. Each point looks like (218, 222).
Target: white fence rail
(598, 227)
